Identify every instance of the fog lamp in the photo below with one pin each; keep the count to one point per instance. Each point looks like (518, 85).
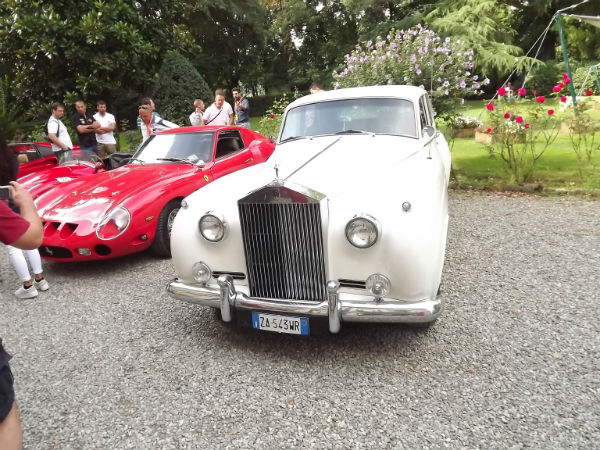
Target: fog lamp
(378, 285)
(201, 272)
(84, 251)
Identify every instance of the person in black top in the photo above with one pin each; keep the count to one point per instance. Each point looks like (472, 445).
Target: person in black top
(86, 126)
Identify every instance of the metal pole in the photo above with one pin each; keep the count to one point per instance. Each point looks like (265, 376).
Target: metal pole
(563, 44)
(597, 79)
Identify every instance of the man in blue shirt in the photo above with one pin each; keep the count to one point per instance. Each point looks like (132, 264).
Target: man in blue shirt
(242, 109)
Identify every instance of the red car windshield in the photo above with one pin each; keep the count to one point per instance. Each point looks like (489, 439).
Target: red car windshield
(176, 147)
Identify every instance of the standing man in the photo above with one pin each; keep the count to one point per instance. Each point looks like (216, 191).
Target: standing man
(86, 127)
(107, 144)
(242, 109)
(196, 116)
(57, 132)
(220, 112)
(151, 124)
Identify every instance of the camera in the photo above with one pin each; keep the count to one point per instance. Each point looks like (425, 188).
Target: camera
(4, 192)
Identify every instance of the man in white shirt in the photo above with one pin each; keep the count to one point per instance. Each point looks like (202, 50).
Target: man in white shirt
(57, 132)
(107, 144)
(220, 112)
(196, 116)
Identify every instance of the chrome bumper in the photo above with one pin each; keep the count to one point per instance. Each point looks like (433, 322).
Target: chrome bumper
(339, 307)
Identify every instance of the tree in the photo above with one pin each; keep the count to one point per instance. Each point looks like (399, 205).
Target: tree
(178, 84)
(91, 48)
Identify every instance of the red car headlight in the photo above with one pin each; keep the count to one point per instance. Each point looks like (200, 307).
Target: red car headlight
(113, 224)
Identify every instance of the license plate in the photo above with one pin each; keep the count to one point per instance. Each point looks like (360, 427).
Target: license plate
(280, 324)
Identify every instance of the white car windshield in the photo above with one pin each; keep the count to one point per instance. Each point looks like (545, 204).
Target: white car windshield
(176, 148)
(370, 115)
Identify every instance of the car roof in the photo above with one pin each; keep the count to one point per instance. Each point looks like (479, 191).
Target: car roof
(412, 93)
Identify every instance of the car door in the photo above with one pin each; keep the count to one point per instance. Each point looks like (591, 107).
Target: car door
(231, 153)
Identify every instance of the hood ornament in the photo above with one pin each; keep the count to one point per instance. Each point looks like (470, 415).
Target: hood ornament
(276, 168)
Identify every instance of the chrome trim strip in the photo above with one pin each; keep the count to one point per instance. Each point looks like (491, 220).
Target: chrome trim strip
(350, 307)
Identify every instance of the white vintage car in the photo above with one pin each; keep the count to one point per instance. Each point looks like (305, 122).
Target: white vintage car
(345, 222)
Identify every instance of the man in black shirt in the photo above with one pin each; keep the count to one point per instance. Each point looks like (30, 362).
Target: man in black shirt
(86, 126)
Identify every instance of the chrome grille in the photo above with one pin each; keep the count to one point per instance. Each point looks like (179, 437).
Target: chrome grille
(284, 250)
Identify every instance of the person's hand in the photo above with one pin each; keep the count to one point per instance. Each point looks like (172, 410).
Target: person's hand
(20, 196)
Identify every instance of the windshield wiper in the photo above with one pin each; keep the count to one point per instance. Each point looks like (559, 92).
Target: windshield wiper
(353, 132)
(292, 138)
(177, 160)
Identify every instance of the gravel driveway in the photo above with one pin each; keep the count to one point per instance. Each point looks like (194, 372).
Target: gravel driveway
(106, 360)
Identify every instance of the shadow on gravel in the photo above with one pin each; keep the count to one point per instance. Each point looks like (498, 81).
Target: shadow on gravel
(95, 267)
(204, 325)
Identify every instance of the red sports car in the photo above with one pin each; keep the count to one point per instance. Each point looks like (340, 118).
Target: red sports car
(132, 208)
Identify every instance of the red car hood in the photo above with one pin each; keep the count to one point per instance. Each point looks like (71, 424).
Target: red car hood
(42, 181)
(91, 197)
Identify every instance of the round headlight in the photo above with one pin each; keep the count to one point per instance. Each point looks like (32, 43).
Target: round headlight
(113, 224)
(211, 227)
(201, 272)
(362, 232)
(378, 285)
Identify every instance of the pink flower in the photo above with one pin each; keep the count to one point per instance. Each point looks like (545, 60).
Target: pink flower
(563, 99)
(567, 80)
(521, 91)
(519, 119)
(540, 99)
(271, 116)
(534, 91)
(527, 126)
(561, 85)
(489, 130)
(550, 112)
(507, 115)
(490, 106)
(501, 91)
(556, 88)
(588, 92)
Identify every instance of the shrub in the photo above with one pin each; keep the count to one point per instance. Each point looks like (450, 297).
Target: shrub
(178, 84)
(523, 127)
(418, 57)
(270, 123)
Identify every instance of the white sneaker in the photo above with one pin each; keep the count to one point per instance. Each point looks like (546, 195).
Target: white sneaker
(26, 293)
(41, 285)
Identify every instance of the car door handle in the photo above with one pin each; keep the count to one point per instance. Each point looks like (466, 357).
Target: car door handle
(249, 160)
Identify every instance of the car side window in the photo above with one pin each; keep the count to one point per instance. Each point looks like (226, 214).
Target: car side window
(229, 141)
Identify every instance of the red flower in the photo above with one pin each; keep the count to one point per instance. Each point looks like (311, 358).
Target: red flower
(567, 80)
(271, 116)
(521, 91)
(556, 88)
(534, 91)
(527, 126)
(588, 92)
(563, 99)
(501, 91)
(540, 99)
(489, 130)
(507, 115)
(519, 119)
(561, 85)
(490, 106)
(550, 112)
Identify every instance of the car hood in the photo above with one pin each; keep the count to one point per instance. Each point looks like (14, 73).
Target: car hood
(336, 166)
(91, 197)
(42, 181)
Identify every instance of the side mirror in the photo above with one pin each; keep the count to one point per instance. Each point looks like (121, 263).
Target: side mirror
(428, 130)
